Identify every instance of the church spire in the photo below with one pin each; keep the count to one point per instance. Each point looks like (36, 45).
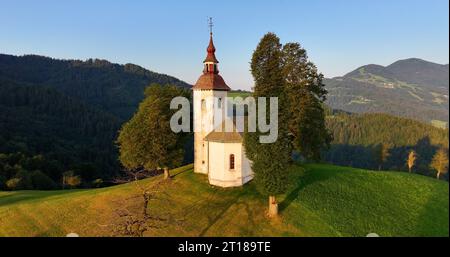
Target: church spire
(211, 60)
(210, 79)
(211, 50)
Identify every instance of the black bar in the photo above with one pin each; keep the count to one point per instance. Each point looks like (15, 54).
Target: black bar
(223, 246)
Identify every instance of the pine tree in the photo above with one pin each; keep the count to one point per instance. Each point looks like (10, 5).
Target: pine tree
(147, 141)
(305, 95)
(269, 161)
(440, 162)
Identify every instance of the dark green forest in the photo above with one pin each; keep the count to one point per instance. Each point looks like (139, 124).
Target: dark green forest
(63, 132)
(357, 137)
(59, 116)
(114, 88)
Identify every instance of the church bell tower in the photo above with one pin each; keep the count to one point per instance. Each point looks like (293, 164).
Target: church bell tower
(209, 96)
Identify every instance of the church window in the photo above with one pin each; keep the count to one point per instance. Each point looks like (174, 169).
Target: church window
(219, 103)
(231, 161)
(203, 104)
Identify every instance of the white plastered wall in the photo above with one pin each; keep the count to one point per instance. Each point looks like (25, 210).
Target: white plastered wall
(219, 165)
(204, 123)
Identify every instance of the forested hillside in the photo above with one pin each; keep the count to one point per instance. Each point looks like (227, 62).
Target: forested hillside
(65, 133)
(357, 137)
(59, 116)
(115, 88)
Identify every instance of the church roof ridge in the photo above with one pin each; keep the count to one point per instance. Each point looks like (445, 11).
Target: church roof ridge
(226, 137)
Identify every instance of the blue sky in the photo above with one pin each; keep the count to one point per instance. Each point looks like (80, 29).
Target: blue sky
(171, 36)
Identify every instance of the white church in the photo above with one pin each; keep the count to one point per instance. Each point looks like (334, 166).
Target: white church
(219, 154)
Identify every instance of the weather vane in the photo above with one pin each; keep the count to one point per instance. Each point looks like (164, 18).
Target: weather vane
(210, 24)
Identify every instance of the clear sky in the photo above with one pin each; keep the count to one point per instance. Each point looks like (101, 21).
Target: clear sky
(171, 36)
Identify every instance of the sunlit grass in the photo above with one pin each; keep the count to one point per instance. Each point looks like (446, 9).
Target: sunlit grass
(323, 200)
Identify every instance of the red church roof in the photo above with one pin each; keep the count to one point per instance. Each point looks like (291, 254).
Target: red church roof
(211, 80)
(211, 57)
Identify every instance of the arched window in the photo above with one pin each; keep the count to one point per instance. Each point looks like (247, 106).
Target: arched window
(203, 104)
(231, 161)
(219, 103)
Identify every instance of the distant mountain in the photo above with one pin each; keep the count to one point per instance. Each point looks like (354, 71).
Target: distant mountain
(411, 88)
(114, 88)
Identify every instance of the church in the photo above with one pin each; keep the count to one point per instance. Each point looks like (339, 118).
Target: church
(217, 153)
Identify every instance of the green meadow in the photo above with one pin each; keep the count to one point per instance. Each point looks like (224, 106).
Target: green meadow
(323, 200)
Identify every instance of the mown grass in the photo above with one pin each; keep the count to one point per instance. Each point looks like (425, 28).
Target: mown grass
(323, 200)
(242, 94)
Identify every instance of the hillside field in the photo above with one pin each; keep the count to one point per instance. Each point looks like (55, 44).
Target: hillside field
(323, 200)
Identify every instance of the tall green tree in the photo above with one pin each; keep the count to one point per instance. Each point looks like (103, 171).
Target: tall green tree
(440, 162)
(305, 94)
(269, 160)
(147, 141)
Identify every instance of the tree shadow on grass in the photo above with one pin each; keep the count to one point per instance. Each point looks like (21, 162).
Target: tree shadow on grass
(214, 218)
(309, 177)
(434, 216)
(217, 205)
(180, 172)
(364, 156)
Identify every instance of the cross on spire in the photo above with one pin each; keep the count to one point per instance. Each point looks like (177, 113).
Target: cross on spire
(210, 25)
(211, 80)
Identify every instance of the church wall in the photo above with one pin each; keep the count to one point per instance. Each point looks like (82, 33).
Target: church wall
(220, 174)
(216, 162)
(204, 119)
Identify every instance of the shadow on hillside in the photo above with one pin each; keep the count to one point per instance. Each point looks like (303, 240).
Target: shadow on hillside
(213, 207)
(179, 173)
(434, 216)
(308, 178)
(212, 219)
(365, 157)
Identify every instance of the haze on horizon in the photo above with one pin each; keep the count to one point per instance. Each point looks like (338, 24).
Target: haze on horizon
(171, 36)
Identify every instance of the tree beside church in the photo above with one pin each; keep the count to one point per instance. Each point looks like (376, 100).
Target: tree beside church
(147, 141)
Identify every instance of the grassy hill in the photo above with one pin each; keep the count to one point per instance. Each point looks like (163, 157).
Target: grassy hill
(240, 93)
(324, 200)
